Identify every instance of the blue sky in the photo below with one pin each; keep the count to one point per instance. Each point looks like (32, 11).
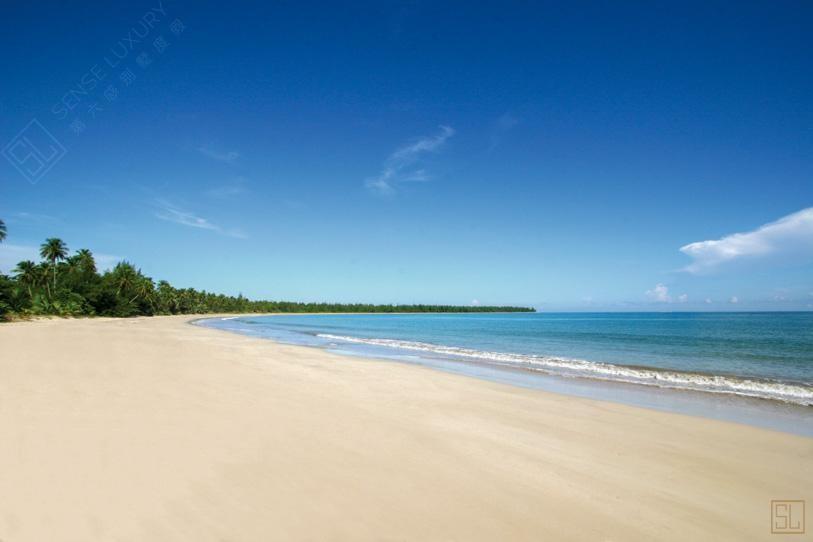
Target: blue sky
(579, 157)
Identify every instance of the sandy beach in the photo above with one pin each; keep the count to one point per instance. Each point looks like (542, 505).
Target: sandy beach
(154, 429)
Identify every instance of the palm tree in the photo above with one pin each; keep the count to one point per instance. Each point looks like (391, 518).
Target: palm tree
(124, 277)
(167, 297)
(27, 274)
(2, 231)
(144, 288)
(72, 265)
(86, 262)
(129, 281)
(54, 250)
(42, 277)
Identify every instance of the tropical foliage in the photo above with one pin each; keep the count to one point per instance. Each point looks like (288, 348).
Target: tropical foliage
(70, 285)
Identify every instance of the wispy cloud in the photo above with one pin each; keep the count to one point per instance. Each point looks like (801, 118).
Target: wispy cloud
(400, 166)
(502, 126)
(171, 213)
(234, 187)
(219, 155)
(791, 234)
(410, 152)
(23, 216)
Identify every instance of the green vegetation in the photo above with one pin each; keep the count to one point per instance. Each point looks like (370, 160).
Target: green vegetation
(70, 285)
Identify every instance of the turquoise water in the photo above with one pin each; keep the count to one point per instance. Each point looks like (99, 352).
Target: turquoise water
(759, 355)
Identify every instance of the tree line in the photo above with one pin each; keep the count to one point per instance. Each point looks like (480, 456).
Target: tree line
(65, 284)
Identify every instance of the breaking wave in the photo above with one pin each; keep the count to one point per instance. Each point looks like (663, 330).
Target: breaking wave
(766, 389)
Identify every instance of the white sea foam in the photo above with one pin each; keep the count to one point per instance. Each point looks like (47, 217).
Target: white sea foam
(792, 393)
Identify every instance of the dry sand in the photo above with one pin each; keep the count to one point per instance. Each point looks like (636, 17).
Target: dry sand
(153, 429)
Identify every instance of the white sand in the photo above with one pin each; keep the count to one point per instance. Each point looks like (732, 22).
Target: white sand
(152, 429)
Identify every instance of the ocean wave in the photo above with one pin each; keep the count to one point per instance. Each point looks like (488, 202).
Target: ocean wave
(765, 389)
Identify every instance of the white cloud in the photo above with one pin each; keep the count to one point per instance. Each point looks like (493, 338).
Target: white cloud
(383, 184)
(659, 293)
(171, 213)
(220, 156)
(475, 303)
(791, 234)
(425, 144)
(398, 168)
(708, 301)
(734, 299)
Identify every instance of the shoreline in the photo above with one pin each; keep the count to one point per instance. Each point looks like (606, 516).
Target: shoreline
(769, 412)
(150, 428)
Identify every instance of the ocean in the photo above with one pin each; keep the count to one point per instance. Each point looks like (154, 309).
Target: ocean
(719, 361)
